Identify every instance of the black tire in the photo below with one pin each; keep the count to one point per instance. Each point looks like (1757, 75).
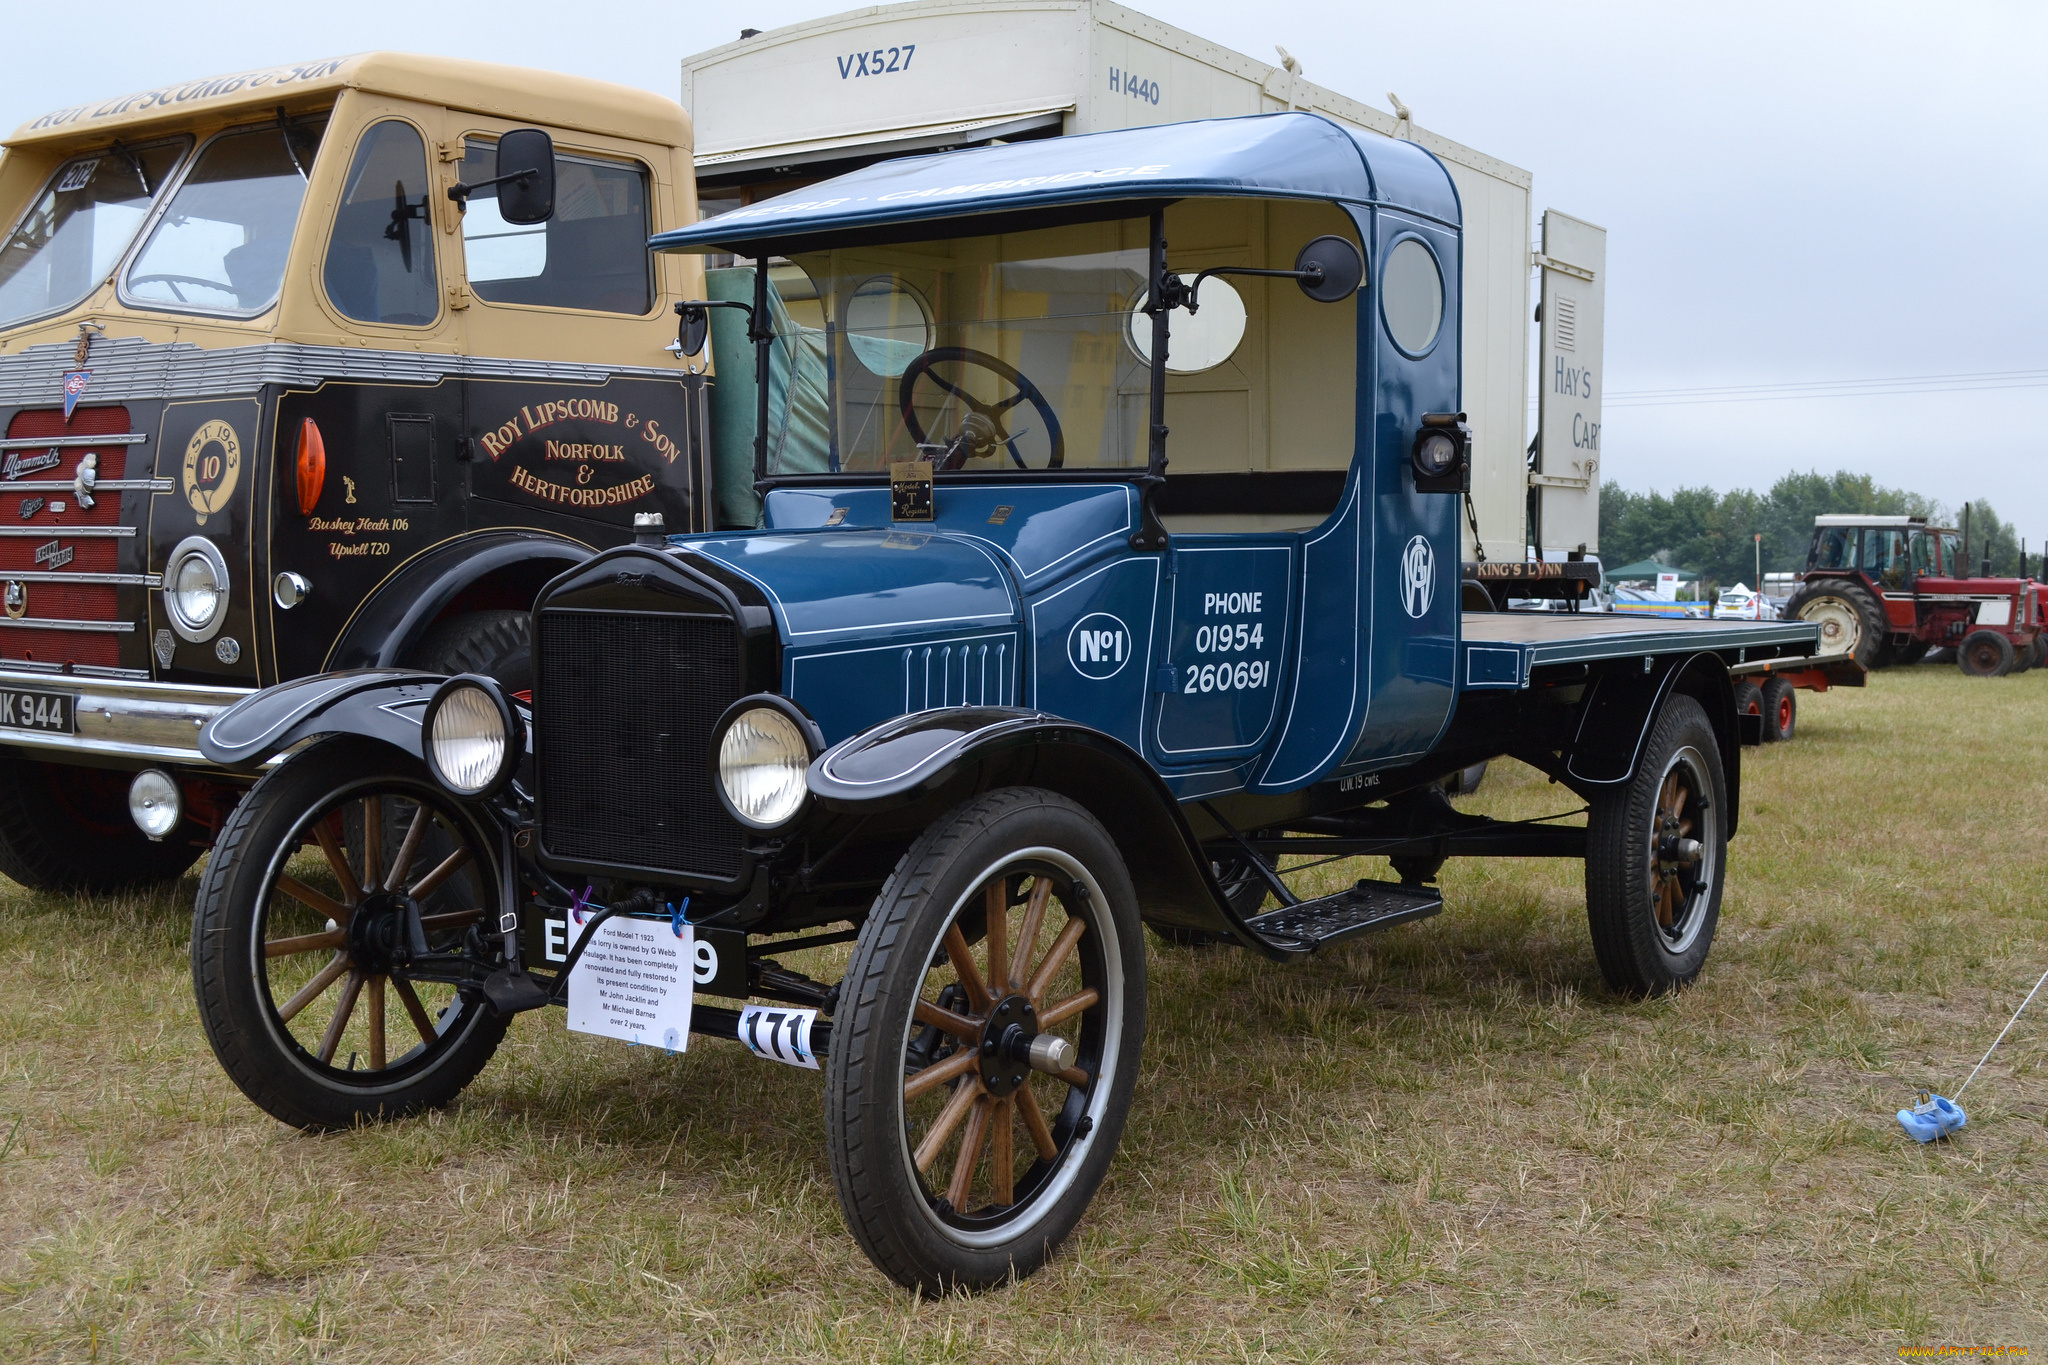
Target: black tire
(1749, 700)
(2025, 657)
(322, 796)
(1011, 842)
(1781, 710)
(1851, 620)
(1652, 913)
(66, 829)
(1906, 655)
(1985, 654)
(496, 644)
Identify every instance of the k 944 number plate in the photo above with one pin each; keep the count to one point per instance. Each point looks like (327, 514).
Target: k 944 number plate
(51, 712)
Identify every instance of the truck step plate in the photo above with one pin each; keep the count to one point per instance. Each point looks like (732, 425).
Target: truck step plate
(1365, 907)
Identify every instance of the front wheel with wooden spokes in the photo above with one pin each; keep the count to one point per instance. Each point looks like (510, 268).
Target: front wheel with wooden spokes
(986, 1042)
(334, 886)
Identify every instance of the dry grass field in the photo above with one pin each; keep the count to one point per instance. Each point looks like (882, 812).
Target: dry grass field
(1443, 1143)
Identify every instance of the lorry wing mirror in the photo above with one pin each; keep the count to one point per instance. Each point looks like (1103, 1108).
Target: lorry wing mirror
(1329, 269)
(526, 176)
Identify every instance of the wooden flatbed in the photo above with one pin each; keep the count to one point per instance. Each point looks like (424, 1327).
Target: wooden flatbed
(1503, 648)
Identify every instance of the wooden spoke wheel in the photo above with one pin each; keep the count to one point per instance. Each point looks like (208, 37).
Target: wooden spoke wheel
(987, 1042)
(1655, 854)
(333, 883)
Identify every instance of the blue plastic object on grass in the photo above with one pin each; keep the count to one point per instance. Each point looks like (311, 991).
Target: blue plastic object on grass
(1934, 1117)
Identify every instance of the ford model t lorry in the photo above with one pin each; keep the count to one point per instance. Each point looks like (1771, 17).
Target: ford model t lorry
(1033, 651)
(274, 400)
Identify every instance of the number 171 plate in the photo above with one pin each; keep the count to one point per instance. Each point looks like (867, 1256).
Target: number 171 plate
(50, 712)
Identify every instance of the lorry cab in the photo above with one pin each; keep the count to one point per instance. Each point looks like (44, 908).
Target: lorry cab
(273, 401)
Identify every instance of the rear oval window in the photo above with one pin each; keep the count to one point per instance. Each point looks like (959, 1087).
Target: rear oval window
(1412, 296)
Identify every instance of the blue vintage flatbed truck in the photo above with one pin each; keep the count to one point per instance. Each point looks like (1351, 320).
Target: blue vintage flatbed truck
(1046, 636)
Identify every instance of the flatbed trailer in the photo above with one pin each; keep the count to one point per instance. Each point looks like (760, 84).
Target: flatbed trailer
(1032, 654)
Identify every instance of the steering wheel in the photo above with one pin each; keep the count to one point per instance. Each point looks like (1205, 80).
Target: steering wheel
(175, 280)
(981, 431)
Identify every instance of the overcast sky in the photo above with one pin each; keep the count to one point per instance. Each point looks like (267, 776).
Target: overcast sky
(1794, 193)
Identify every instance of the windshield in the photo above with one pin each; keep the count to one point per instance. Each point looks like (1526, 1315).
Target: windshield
(73, 236)
(222, 242)
(988, 354)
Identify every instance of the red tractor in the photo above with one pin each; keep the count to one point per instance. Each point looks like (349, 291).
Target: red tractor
(1888, 589)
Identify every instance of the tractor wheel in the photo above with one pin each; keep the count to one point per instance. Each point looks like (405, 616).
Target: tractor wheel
(1906, 655)
(1851, 621)
(496, 644)
(1749, 700)
(973, 1099)
(1985, 654)
(1656, 853)
(2023, 657)
(1781, 710)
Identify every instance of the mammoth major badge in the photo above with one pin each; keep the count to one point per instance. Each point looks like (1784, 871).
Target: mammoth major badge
(213, 461)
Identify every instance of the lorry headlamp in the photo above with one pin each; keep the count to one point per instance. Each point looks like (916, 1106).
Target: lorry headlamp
(1442, 455)
(196, 589)
(155, 803)
(474, 737)
(764, 744)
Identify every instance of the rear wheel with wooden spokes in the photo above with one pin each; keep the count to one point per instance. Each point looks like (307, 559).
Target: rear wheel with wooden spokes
(986, 1042)
(332, 882)
(1655, 857)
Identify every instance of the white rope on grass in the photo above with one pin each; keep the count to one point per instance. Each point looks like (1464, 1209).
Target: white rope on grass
(2002, 1032)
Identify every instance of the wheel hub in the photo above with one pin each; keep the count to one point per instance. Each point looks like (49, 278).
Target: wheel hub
(1006, 1044)
(381, 932)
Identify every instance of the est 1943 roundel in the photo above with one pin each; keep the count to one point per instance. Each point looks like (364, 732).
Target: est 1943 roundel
(213, 462)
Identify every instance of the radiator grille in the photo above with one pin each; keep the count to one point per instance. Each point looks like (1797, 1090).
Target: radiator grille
(624, 706)
(66, 601)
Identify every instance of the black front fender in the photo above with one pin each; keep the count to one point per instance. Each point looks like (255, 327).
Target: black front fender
(939, 758)
(378, 703)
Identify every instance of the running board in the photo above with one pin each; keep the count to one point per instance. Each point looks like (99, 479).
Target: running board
(1364, 908)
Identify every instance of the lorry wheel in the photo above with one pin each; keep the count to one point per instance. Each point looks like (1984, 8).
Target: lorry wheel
(1781, 710)
(1851, 621)
(1656, 851)
(496, 644)
(1985, 654)
(973, 1101)
(66, 829)
(1749, 700)
(301, 931)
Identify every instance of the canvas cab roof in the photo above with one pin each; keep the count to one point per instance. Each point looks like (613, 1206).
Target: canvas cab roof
(509, 92)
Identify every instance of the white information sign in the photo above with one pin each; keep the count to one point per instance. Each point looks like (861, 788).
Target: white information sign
(634, 982)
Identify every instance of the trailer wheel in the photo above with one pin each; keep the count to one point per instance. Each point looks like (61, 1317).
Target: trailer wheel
(1749, 700)
(1985, 654)
(973, 1101)
(300, 934)
(66, 829)
(1656, 851)
(1781, 709)
(1851, 621)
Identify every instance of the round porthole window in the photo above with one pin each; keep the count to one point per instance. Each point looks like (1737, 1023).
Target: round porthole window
(1412, 296)
(887, 326)
(1196, 341)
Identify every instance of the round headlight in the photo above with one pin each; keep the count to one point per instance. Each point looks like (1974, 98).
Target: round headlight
(762, 754)
(1435, 454)
(472, 737)
(196, 588)
(155, 803)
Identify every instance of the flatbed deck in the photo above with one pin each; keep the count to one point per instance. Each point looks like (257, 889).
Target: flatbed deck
(1502, 648)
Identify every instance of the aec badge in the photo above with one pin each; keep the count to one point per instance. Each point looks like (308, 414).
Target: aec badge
(213, 461)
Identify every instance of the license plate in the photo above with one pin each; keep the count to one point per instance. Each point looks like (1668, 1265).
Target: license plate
(46, 711)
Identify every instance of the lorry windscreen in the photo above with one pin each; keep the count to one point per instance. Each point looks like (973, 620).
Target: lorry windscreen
(220, 245)
(74, 234)
(979, 354)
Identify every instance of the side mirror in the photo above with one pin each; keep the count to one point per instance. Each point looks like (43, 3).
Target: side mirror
(695, 327)
(526, 176)
(1329, 269)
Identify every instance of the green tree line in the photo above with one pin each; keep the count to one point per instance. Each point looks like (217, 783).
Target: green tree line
(1700, 531)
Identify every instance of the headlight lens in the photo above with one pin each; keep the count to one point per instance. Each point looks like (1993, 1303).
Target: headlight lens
(196, 588)
(469, 739)
(761, 761)
(1436, 453)
(155, 803)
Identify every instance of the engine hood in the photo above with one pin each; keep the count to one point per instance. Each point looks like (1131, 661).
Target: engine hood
(830, 585)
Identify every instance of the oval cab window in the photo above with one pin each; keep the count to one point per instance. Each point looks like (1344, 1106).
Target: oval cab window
(1412, 296)
(887, 326)
(1195, 341)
